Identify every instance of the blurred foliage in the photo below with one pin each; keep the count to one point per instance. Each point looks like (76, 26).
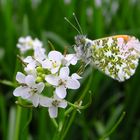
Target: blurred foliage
(45, 19)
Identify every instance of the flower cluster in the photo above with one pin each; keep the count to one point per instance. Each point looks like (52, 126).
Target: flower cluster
(116, 56)
(42, 71)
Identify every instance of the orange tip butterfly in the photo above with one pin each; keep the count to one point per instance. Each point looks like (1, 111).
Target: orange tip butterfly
(116, 56)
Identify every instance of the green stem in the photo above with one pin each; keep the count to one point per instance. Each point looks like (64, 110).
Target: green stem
(68, 126)
(8, 83)
(86, 89)
(55, 123)
(114, 127)
(18, 119)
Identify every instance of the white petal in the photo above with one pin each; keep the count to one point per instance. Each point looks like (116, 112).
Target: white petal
(25, 93)
(30, 80)
(53, 111)
(39, 53)
(46, 64)
(31, 65)
(28, 59)
(30, 69)
(17, 91)
(21, 39)
(37, 43)
(53, 80)
(31, 72)
(40, 86)
(45, 101)
(62, 104)
(34, 99)
(71, 58)
(55, 97)
(72, 84)
(55, 70)
(20, 77)
(22, 92)
(64, 73)
(76, 76)
(28, 39)
(55, 55)
(61, 91)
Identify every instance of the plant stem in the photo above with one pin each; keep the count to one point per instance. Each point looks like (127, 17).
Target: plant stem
(55, 123)
(18, 119)
(65, 129)
(68, 126)
(114, 127)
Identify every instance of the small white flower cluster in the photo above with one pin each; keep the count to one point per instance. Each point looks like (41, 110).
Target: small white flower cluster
(43, 70)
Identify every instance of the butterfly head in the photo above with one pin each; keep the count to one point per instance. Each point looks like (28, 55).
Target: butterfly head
(83, 48)
(80, 39)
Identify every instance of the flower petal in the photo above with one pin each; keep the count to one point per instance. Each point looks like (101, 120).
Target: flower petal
(45, 101)
(34, 99)
(55, 55)
(40, 86)
(75, 76)
(64, 73)
(53, 80)
(30, 80)
(39, 53)
(28, 59)
(17, 91)
(46, 64)
(71, 58)
(55, 70)
(61, 91)
(72, 84)
(53, 111)
(62, 104)
(31, 65)
(20, 77)
(22, 92)
(37, 43)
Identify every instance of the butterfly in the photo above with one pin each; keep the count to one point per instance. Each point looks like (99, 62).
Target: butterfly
(116, 56)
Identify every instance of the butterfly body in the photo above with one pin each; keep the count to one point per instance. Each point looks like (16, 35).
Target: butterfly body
(116, 56)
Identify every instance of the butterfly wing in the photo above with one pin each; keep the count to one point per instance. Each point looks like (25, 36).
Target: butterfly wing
(116, 56)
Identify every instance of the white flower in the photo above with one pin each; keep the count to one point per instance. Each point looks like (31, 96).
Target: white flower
(39, 51)
(34, 61)
(53, 62)
(25, 44)
(31, 65)
(63, 81)
(53, 104)
(70, 59)
(37, 43)
(75, 76)
(29, 89)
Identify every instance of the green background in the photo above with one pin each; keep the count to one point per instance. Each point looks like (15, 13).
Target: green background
(44, 19)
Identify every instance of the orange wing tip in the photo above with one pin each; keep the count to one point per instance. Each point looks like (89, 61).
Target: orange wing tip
(125, 37)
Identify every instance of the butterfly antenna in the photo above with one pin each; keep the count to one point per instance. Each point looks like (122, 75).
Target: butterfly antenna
(72, 25)
(78, 23)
